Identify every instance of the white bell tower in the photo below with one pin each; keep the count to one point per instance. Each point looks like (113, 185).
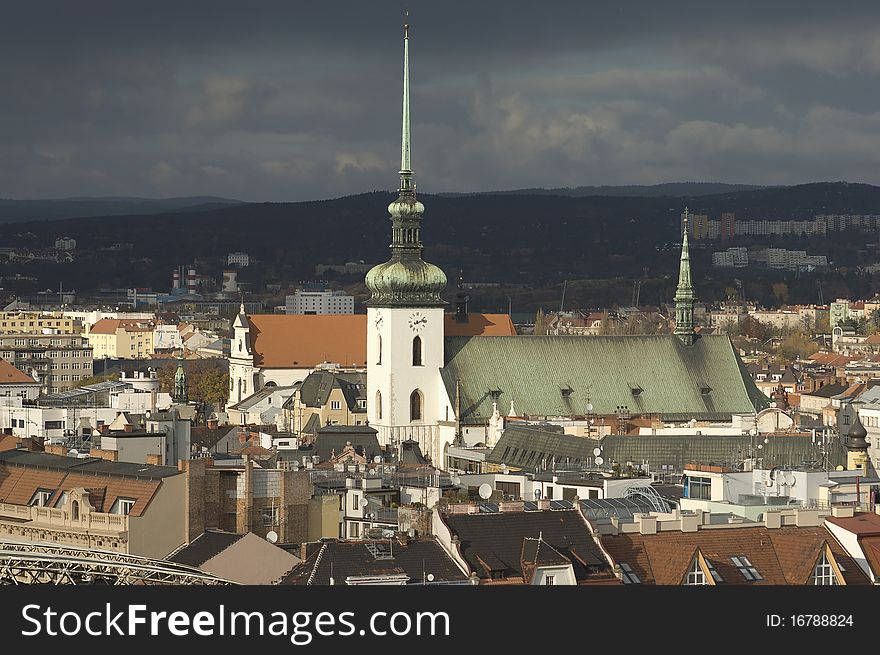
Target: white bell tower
(405, 320)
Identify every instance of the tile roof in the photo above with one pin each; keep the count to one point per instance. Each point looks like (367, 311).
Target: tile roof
(416, 558)
(11, 375)
(315, 390)
(494, 541)
(826, 391)
(863, 523)
(781, 556)
(204, 547)
(332, 439)
(305, 340)
(22, 473)
(487, 325)
(559, 375)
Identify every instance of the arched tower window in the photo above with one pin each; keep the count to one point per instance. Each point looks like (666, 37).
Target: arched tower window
(379, 340)
(415, 405)
(378, 404)
(417, 351)
(239, 389)
(75, 510)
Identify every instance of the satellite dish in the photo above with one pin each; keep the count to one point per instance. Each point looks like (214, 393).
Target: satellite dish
(839, 468)
(790, 479)
(766, 440)
(589, 408)
(600, 461)
(505, 470)
(456, 480)
(364, 502)
(272, 537)
(430, 577)
(485, 491)
(377, 459)
(597, 452)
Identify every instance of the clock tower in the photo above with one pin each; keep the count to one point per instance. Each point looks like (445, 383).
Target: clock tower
(405, 320)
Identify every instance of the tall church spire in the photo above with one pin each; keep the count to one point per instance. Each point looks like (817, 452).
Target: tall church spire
(405, 166)
(684, 294)
(406, 280)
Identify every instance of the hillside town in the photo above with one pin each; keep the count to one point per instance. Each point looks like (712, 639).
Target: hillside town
(209, 434)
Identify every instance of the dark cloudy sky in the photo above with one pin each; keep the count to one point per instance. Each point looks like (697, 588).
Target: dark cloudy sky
(291, 101)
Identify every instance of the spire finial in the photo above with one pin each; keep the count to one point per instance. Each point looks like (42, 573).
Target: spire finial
(406, 24)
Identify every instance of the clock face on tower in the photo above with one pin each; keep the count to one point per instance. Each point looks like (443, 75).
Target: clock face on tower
(379, 321)
(417, 321)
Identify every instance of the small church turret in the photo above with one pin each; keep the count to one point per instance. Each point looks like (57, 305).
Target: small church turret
(180, 390)
(684, 294)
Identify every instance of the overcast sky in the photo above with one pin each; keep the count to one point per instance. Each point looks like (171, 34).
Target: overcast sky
(288, 101)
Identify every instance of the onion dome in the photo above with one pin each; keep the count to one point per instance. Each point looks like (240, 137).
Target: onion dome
(855, 439)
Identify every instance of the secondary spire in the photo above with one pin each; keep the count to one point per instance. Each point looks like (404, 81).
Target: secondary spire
(684, 294)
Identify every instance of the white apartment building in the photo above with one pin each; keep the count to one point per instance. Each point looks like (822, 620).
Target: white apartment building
(731, 258)
(237, 259)
(319, 302)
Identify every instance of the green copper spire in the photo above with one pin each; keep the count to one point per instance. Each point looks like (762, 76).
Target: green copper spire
(406, 280)
(684, 294)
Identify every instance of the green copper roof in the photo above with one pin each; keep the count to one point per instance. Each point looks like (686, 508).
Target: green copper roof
(559, 375)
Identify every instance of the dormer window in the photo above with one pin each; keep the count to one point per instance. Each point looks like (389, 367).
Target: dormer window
(636, 390)
(705, 390)
(40, 498)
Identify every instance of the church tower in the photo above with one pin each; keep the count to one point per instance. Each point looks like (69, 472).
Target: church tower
(405, 319)
(684, 294)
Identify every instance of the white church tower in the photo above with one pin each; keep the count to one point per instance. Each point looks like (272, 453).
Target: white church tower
(405, 320)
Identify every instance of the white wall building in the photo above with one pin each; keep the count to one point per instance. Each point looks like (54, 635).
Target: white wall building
(237, 259)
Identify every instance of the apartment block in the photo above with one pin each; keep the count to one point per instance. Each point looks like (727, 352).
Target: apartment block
(57, 361)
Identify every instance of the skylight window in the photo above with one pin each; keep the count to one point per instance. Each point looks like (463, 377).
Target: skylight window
(745, 567)
(629, 577)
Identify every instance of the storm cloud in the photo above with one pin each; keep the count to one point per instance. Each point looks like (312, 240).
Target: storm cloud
(289, 101)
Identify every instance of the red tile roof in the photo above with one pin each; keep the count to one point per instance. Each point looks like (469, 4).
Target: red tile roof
(11, 375)
(781, 556)
(304, 341)
(862, 523)
(111, 325)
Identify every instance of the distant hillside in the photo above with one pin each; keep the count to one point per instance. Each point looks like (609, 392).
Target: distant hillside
(669, 189)
(526, 239)
(15, 211)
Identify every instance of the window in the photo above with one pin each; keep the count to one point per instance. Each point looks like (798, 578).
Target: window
(53, 425)
(549, 580)
(700, 488)
(335, 404)
(745, 567)
(75, 510)
(417, 351)
(354, 530)
(824, 574)
(415, 406)
(695, 575)
(628, 576)
(40, 498)
(378, 404)
(123, 506)
(715, 575)
(379, 341)
(270, 516)
(362, 403)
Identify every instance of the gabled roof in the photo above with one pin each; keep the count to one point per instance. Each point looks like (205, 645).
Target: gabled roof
(415, 558)
(331, 440)
(22, 473)
(781, 556)
(559, 375)
(306, 340)
(11, 375)
(826, 391)
(493, 542)
(244, 558)
(316, 388)
(487, 325)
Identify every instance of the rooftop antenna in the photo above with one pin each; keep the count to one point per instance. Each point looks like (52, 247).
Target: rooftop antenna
(562, 302)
